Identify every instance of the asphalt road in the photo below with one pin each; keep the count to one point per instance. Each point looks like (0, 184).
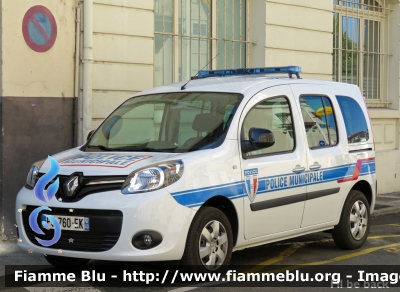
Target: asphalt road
(381, 248)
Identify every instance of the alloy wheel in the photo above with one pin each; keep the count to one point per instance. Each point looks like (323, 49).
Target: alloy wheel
(213, 245)
(358, 220)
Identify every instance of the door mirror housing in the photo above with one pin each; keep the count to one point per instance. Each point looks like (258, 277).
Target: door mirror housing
(259, 139)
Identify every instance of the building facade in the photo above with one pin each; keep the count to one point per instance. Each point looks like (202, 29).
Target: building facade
(105, 51)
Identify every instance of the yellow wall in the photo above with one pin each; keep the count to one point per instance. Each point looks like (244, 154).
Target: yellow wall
(385, 125)
(385, 122)
(31, 74)
(123, 51)
(300, 33)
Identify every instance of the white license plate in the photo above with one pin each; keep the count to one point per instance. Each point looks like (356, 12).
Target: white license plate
(69, 222)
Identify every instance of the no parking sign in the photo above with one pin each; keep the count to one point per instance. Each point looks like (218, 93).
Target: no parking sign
(39, 28)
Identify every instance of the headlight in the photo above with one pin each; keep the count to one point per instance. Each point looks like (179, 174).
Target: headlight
(153, 178)
(33, 173)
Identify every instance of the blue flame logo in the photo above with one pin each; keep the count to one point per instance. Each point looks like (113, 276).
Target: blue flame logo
(46, 196)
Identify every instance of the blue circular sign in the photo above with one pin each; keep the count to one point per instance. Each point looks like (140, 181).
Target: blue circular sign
(39, 29)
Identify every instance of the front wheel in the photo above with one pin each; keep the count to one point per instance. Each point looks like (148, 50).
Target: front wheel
(209, 241)
(353, 228)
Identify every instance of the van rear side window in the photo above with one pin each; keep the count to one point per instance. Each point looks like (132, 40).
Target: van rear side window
(354, 119)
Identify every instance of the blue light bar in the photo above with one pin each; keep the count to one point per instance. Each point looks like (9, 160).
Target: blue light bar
(251, 71)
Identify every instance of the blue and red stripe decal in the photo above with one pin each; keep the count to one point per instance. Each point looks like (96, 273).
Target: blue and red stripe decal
(344, 173)
(357, 170)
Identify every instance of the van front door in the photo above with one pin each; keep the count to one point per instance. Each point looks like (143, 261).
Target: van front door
(273, 177)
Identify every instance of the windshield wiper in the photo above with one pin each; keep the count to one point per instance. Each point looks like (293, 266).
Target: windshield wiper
(130, 148)
(102, 147)
(147, 149)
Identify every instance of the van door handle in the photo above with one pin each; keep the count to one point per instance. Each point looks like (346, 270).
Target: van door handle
(299, 168)
(315, 166)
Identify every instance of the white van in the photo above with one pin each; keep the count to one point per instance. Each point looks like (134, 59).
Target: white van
(192, 172)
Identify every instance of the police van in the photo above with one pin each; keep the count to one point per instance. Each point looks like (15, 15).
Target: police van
(192, 172)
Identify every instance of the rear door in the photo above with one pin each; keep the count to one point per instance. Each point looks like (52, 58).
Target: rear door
(274, 202)
(360, 141)
(327, 162)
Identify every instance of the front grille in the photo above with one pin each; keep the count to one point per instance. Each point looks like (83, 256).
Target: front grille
(105, 229)
(84, 189)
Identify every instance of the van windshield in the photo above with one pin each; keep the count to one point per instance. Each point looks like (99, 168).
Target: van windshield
(169, 122)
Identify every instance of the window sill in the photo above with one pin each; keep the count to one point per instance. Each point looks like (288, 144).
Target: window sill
(377, 104)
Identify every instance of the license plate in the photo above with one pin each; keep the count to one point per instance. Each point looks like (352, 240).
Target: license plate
(69, 222)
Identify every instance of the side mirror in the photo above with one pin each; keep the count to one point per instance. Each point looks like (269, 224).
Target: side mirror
(90, 135)
(259, 139)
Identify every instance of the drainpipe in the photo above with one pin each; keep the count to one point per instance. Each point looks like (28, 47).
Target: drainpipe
(87, 61)
(78, 77)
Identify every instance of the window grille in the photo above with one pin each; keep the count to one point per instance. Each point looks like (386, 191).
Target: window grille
(360, 47)
(190, 33)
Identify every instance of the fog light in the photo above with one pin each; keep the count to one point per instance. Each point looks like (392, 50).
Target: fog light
(146, 239)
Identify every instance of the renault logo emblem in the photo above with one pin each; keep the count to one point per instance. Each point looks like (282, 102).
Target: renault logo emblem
(71, 184)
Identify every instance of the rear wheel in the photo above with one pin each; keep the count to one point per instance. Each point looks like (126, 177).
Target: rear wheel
(59, 261)
(209, 242)
(353, 228)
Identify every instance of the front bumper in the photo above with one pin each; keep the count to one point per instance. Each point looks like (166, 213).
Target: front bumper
(155, 211)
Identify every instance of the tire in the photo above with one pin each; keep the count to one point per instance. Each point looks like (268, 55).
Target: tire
(59, 261)
(353, 228)
(203, 246)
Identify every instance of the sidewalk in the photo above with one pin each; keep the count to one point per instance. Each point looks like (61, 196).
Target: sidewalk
(10, 254)
(387, 203)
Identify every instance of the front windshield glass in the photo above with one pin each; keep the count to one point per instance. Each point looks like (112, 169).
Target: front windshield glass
(169, 122)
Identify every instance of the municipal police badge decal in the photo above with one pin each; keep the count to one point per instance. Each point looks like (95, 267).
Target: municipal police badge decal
(251, 182)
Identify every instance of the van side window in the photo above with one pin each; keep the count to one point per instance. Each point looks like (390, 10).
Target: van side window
(275, 115)
(354, 120)
(319, 121)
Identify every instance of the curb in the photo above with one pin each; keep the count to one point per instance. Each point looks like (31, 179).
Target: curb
(385, 211)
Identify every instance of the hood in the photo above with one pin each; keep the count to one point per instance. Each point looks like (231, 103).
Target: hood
(107, 163)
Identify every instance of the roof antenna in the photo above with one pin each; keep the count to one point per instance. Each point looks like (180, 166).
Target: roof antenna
(184, 86)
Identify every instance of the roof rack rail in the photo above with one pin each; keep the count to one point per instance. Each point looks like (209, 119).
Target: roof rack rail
(296, 70)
